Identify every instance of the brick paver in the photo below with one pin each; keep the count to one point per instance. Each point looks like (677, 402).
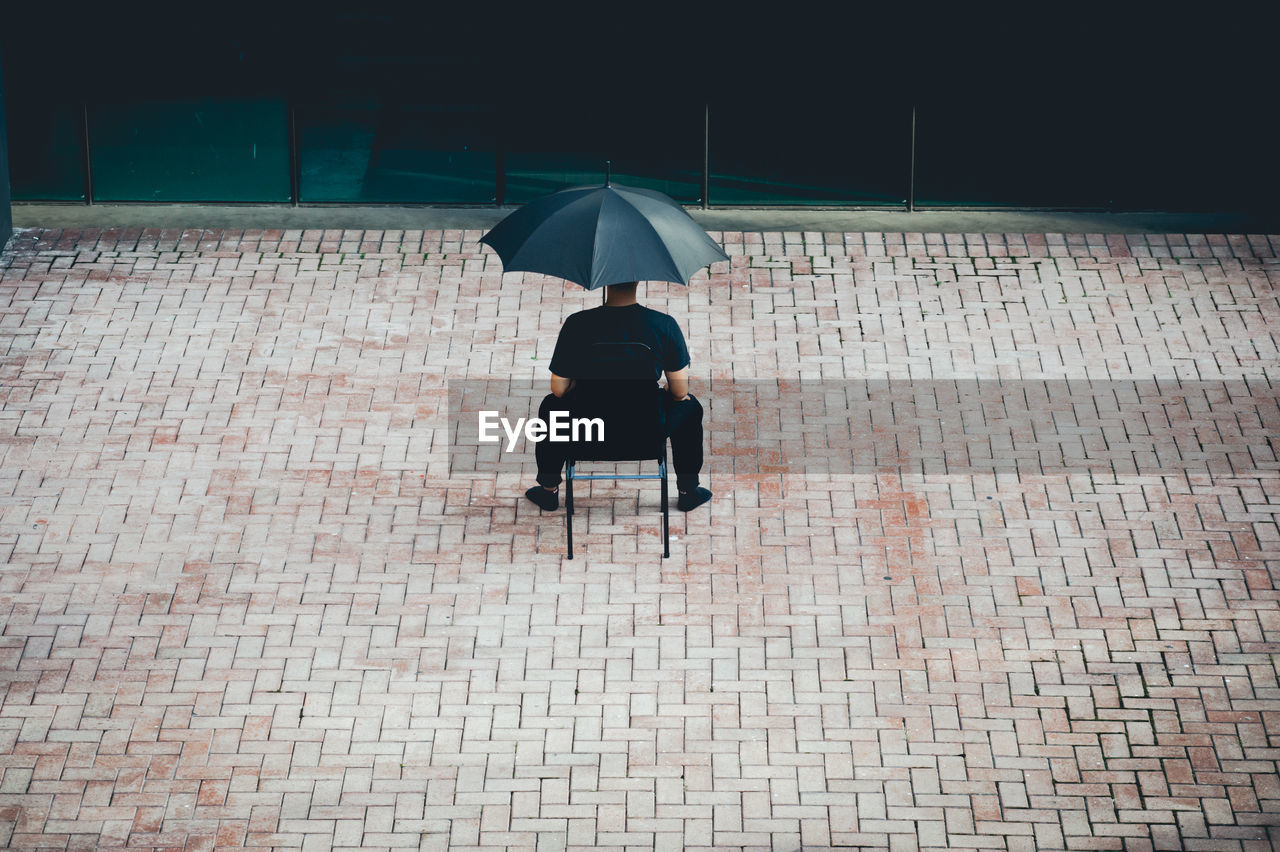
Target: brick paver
(245, 604)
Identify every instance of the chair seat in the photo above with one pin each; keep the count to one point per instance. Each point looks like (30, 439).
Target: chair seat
(620, 454)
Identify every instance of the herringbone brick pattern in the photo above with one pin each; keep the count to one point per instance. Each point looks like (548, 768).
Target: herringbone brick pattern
(244, 605)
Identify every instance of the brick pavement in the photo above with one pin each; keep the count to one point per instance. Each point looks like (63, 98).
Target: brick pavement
(246, 606)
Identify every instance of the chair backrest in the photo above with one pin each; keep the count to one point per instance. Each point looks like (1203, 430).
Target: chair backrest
(616, 385)
(626, 361)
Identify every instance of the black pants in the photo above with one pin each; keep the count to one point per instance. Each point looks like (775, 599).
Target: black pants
(684, 428)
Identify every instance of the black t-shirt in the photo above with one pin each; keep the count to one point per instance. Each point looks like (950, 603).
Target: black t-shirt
(619, 324)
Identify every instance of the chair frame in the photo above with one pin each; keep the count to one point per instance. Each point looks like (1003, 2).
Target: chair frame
(571, 475)
(569, 478)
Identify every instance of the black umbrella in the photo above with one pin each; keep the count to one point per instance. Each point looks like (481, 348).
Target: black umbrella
(601, 235)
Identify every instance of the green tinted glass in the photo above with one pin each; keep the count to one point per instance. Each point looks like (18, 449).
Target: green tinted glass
(532, 174)
(851, 156)
(196, 150)
(554, 146)
(377, 151)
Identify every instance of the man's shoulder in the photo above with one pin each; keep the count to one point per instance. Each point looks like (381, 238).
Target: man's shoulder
(575, 318)
(662, 320)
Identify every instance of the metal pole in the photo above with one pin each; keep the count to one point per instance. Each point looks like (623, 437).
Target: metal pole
(604, 291)
(911, 181)
(88, 160)
(295, 171)
(706, 156)
(500, 161)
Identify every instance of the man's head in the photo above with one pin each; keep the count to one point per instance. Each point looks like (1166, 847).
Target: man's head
(621, 294)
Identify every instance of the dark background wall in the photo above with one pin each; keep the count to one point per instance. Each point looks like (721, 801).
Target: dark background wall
(1127, 107)
(6, 218)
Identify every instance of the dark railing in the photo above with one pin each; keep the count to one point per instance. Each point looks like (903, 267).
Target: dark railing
(882, 106)
(380, 151)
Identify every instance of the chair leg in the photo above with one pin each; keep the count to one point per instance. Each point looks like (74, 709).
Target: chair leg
(568, 506)
(568, 494)
(666, 520)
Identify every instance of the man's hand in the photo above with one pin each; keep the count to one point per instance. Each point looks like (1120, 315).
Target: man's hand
(560, 385)
(678, 384)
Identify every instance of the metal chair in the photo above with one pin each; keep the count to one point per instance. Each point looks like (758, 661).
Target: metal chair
(617, 385)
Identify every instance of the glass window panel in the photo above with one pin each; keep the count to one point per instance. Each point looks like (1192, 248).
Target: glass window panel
(46, 150)
(654, 146)
(43, 99)
(1015, 151)
(190, 150)
(1193, 158)
(385, 152)
(6, 215)
(818, 154)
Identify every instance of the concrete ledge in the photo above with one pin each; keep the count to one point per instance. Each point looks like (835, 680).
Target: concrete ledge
(31, 215)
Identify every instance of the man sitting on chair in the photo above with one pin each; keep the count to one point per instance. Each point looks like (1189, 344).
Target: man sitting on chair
(623, 320)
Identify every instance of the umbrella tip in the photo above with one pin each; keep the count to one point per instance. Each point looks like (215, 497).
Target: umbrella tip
(607, 163)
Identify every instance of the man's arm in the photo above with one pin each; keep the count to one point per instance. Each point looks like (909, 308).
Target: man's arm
(678, 383)
(563, 356)
(675, 352)
(560, 385)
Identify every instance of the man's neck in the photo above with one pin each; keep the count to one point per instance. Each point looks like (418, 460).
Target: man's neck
(618, 300)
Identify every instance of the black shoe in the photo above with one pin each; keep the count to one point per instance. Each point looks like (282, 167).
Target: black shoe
(548, 501)
(690, 500)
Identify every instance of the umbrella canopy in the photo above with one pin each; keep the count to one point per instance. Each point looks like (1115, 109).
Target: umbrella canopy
(601, 235)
